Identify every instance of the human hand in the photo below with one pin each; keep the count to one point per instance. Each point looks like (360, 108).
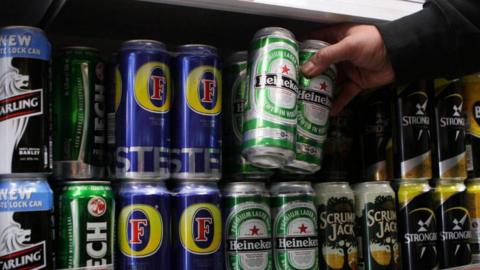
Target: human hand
(362, 57)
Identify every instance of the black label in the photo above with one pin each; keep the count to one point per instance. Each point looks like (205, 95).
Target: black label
(299, 242)
(245, 245)
(315, 97)
(275, 80)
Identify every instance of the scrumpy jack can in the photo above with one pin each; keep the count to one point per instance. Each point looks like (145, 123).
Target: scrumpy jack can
(471, 95)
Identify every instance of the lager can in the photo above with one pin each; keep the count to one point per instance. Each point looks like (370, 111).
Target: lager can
(471, 96)
(235, 165)
(78, 114)
(112, 100)
(294, 217)
(85, 225)
(142, 117)
(26, 223)
(197, 226)
(449, 129)
(24, 102)
(248, 226)
(143, 225)
(377, 226)
(453, 224)
(197, 140)
(417, 225)
(335, 203)
(411, 139)
(271, 106)
(473, 206)
(313, 103)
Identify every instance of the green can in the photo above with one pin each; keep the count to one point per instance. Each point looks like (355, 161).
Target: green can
(248, 228)
(270, 116)
(314, 103)
(85, 225)
(79, 114)
(295, 225)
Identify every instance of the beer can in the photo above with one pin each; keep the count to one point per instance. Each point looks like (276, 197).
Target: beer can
(24, 102)
(411, 139)
(449, 129)
(313, 103)
(142, 117)
(248, 226)
(335, 203)
(85, 225)
(453, 224)
(271, 107)
(26, 223)
(417, 225)
(112, 100)
(197, 226)
(78, 114)
(294, 218)
(143, 225)
(473, 206)
(471, 106)
(196, 138)
(377, 226)
(235, 165)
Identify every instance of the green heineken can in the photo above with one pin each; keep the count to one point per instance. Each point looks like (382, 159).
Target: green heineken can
(314, 103)
(235, 165)
(85, 225)
(270, 116)
(294, 225)
(79, 114)
(248, 228)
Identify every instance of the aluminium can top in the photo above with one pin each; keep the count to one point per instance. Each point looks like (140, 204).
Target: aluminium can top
(197, 49)
(312, 44)
(88, 182)
(22, 177)
(296, 187)
(239, 188)
(237, 57)
(79, 48)
(274, 31)
(143, 44)
(25, 27)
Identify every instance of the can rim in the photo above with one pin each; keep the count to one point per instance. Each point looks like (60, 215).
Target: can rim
(83, 48)
(143, 42)
(85, 182)
(23, 27)
(313, 44)
(275, 31)
(237, 57)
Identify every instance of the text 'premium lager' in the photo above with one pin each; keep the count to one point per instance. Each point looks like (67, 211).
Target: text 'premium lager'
(271, 108)
(471, 95)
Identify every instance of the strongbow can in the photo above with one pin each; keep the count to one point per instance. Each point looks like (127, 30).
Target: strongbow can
(143, 225)
(26, 228)
(235, 94)
(197, 226)
(248, 228)
(417, 225)
(294, 218)
(24, 101)
(271, 108)
(473, 206)
(377, 226)
(85, 225)
(336, 230)
(314, 102)
(142, 103)
(471, 95)
(78, 114)
(196, 138)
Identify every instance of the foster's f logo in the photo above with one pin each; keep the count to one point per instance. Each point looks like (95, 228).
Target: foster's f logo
(204, 90)
(152, 87)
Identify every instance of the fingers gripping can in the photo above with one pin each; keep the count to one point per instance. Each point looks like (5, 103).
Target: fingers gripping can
(314, 102)
(271, 108)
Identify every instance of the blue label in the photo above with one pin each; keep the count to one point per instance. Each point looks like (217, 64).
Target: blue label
(25, 196)
(195, 160)
(24, 43)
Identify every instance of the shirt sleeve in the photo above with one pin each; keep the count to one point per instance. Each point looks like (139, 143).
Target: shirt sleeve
(441, 40)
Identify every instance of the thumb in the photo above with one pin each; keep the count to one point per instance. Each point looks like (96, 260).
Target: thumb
(323, 58)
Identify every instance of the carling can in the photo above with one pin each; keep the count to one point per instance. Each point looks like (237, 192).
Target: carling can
(26, 223)
(78, 114)
(313, 103)
(24, 101)
(471, 106)
(473, 206)
(411, 139)
(294, 218)
(235, 165)
(248, 228)
(453, 224)
(417, 225)
(143, 225)
(197, 226)
(336, 230)
(113, 79)
(271, 106)
(85, 225)
(196, 138)
(377, 226)
(449, 128)
(142, 116)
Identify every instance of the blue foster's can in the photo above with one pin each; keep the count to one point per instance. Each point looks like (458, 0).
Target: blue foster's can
(196, 138)
(142, 102)
(197, 226)
(143, 226)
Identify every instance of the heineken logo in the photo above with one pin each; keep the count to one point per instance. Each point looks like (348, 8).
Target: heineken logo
(248, 245)
(297, 242)
(276, 80)
(97, 206)
(26, 104)
(315, 97)
(152, 87)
